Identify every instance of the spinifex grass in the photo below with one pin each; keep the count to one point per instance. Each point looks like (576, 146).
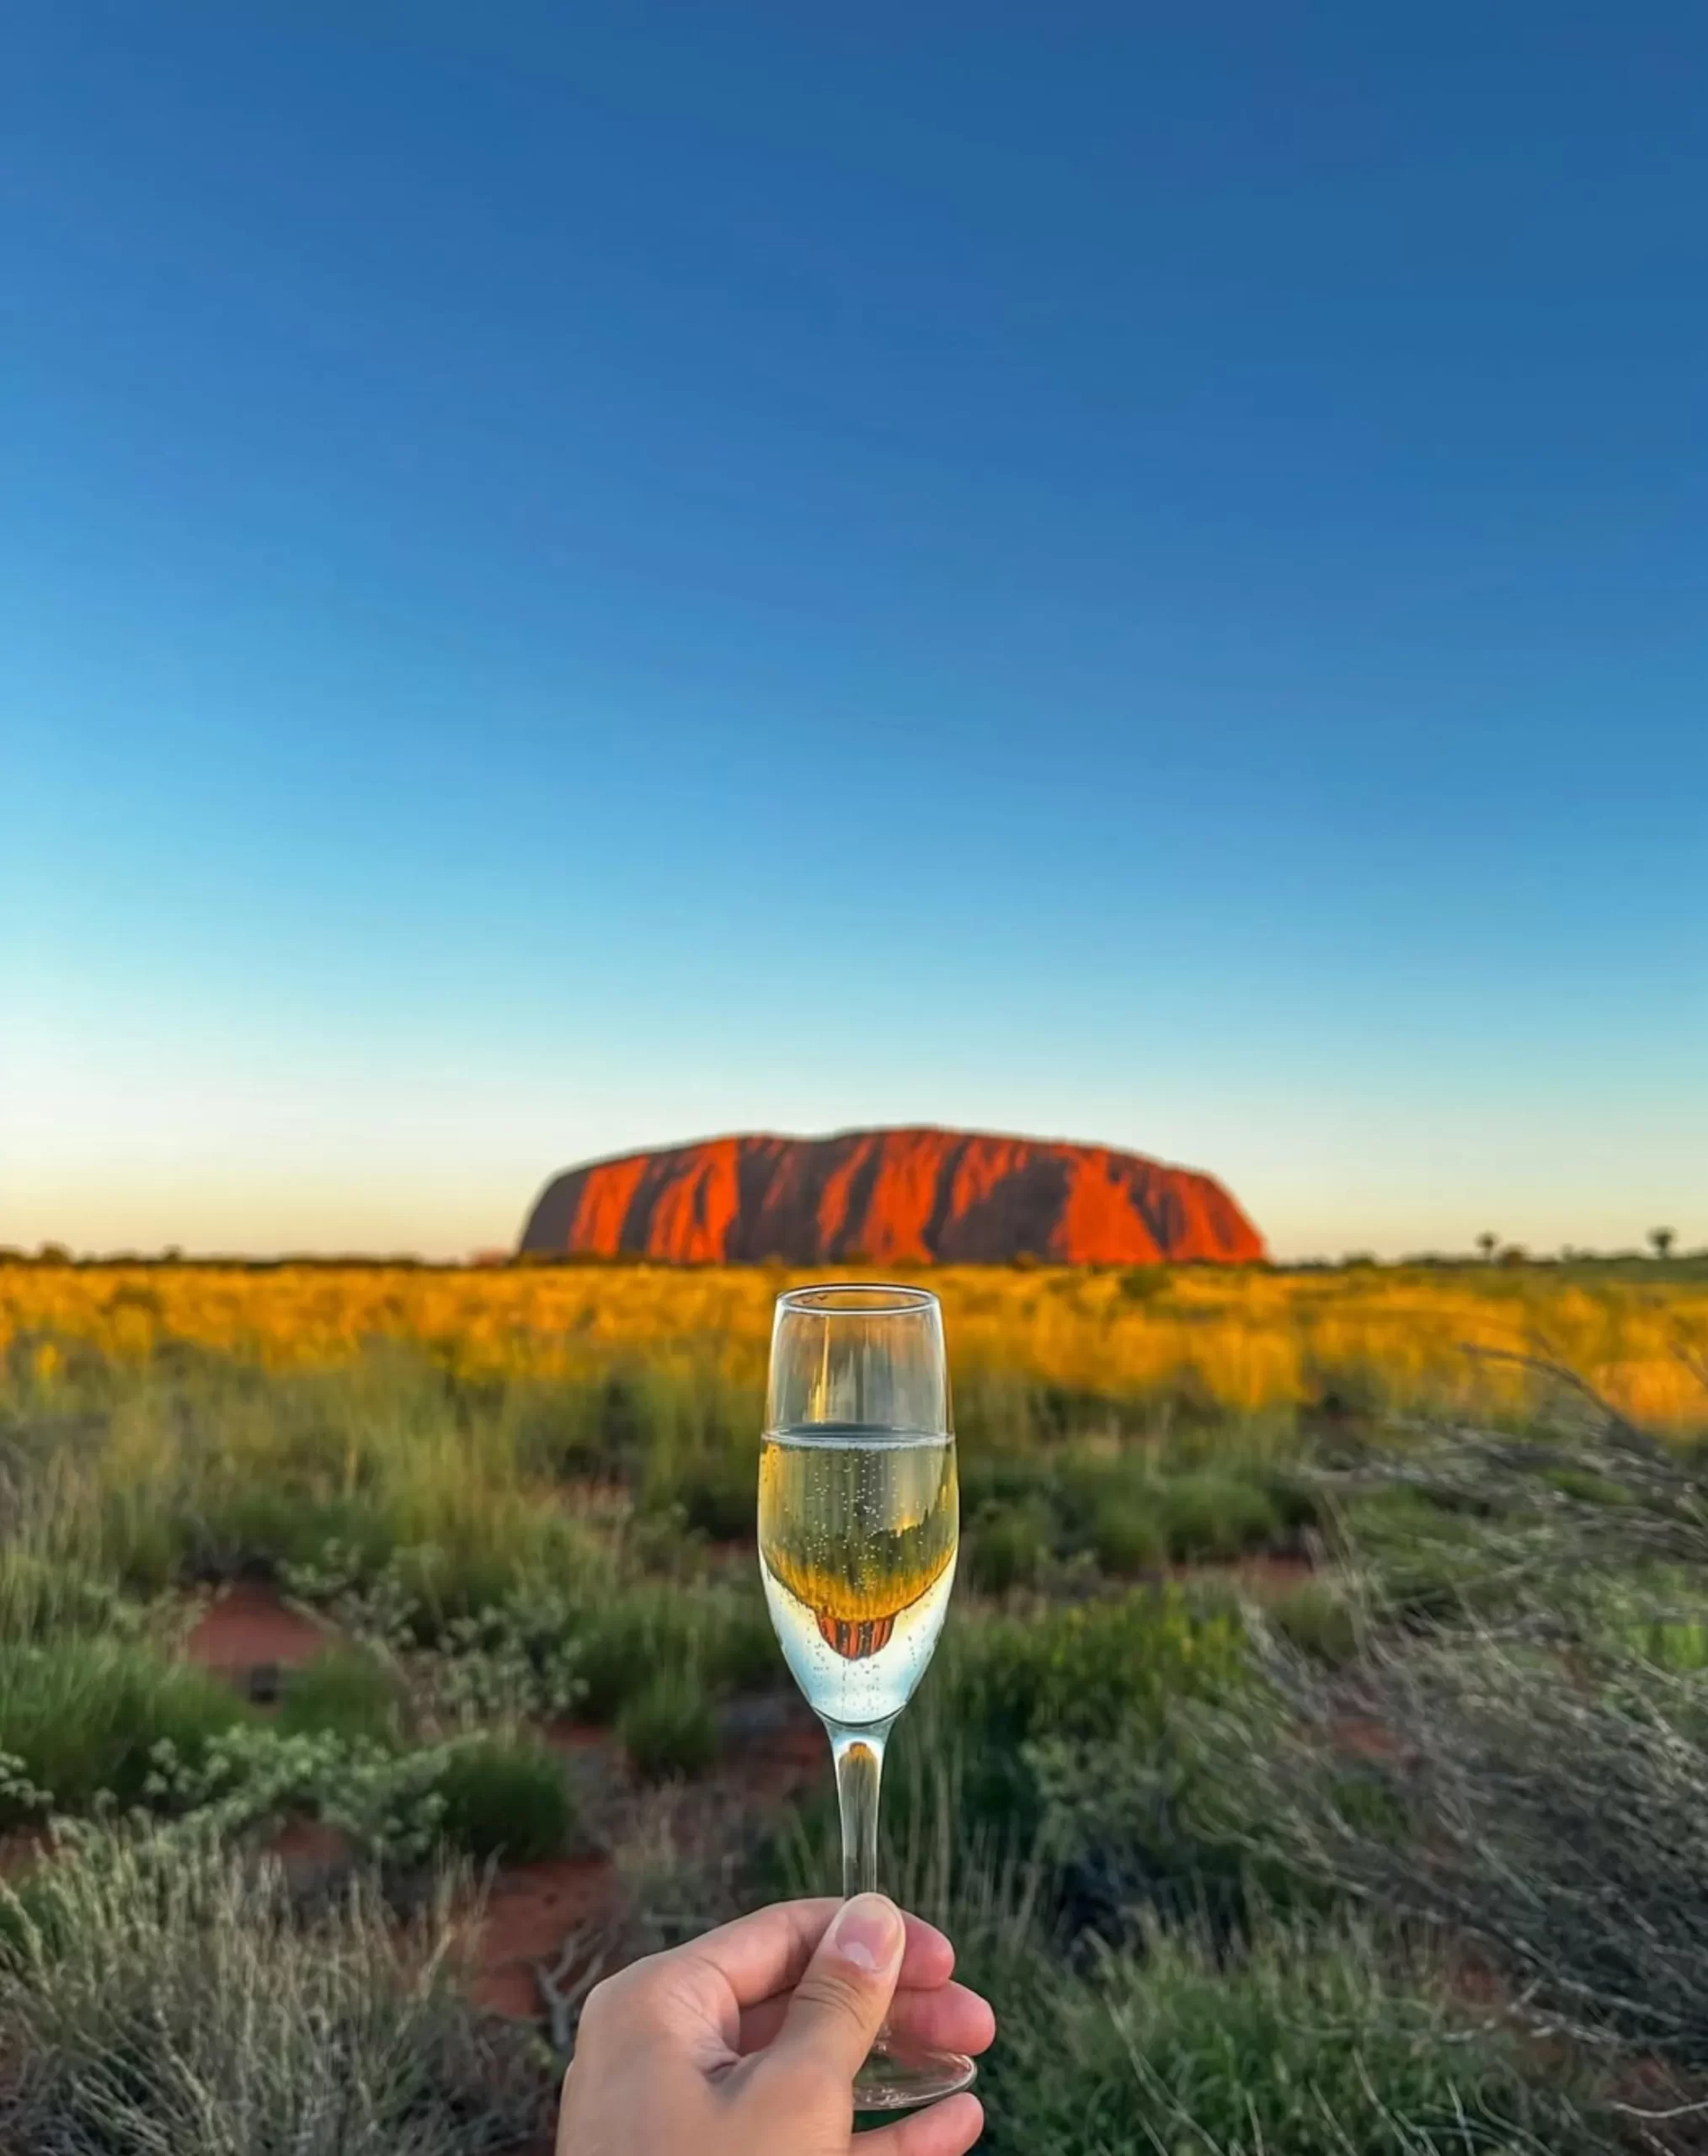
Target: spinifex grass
(156, 1999)
(1318, 2042)
(83, 1717)
(1031, 1347)
(1320, 2035)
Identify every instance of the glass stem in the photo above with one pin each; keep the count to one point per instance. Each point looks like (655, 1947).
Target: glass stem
(859, 1756)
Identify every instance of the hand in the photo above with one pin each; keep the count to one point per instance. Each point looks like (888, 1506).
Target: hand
(745, 2042)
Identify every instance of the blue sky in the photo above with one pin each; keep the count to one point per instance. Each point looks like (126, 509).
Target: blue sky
(576, 577)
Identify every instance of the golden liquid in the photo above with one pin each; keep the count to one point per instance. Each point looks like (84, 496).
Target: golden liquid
(857, 1535)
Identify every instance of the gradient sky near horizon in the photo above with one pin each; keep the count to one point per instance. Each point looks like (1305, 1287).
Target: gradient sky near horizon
(578, 577)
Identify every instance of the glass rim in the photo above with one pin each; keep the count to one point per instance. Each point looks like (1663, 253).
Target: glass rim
(884, 1298)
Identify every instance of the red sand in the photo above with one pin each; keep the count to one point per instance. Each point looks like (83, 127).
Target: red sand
(314, 1855)
(529, 1912)
(250, 1628)
(1259, 1570)
(532, 1908)
(21, 1849)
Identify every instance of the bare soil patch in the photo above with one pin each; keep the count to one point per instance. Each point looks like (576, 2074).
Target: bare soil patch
(315, 1857)
(21, 1850)
(529, 1912)
(248, 1634)
(1262, 1572)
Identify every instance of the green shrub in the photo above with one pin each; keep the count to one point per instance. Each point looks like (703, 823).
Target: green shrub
(507, 1799)
(1426, 1564)
(1009, 1545)
(1094, 1669)
(44, 1598)
(1311, 2043)
(1005, 1478)
(515, 1659)
(344, 1691)
(1211, 1516)
(1315, 1617)
(255, 1776)
(169, 1997)
(1298, 1502)
(1128, 1826)
(247, 1528)
(1169, 1815)
(668, 1728)
(210, 1464)
(1553, 1806)
(452, 1582)
(83, 1718)
(738, 1648)
(1355, 1392)
(1097, 1671)
(1584, 1486)
(1128, 1538)
(1133, 1515)
(483, 1795)
(558, 1427)
(994, 1892)
(1006, 1415)
(626, 1642)
(718, 1494)
(1657, 1615)
(717, 1635)
(1678, 1645)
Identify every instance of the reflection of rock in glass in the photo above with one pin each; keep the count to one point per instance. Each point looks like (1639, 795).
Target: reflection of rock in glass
(854, 1641)
(857, 1536)
(857, 1618)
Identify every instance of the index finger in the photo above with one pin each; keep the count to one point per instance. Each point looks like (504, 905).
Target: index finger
(767, 1952)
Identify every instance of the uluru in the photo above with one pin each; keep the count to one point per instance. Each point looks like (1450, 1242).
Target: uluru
(899, 1197)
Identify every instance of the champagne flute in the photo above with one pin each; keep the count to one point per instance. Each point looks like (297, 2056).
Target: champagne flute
(859, 1524)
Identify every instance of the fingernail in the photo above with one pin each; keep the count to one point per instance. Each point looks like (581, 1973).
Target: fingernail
(868, 1932)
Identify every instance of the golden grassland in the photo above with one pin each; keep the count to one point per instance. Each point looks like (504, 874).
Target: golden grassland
(1239, 1340)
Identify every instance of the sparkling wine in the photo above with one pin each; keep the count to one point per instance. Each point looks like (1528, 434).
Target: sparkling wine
(857, 1534)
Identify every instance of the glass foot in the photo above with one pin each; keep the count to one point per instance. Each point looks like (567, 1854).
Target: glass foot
(897, 2075)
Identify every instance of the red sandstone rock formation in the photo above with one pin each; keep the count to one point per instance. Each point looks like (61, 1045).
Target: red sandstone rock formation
(890, 1198)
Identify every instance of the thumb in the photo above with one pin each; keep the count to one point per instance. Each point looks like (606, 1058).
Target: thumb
(839, 2003)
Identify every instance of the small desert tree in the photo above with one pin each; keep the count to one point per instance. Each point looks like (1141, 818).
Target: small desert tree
(1661, 1240)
